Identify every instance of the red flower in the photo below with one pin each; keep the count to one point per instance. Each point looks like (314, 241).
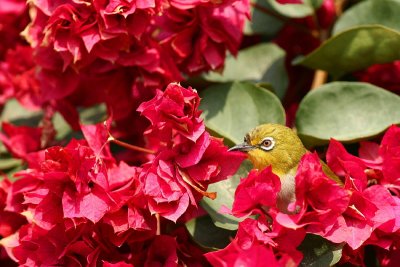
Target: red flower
(174, 109)
(165, 187)
(34, 87)
(390, 153)
(283, 241)
(383, 75)
(13, 19)
(97, 138)
(10, 221)
(129, 215)
(70, 182)
(71, 243)
(315, 193)
(131, 222)
(367, 210)
(189, 159)
(19, 76)
(78, 31)
(6, 86)
(211, 164)
(21, 140)
(73, 43)
(390, 259)
(370, 208)
(211, 29)
(189, 253)
(369, 153)
(122, 17)
(116, 264)
(284, 2)
(326, 14)
(259, 189)
(186, 4)
(234, 255)
(172, 188)
(67, 28)
(380, 163)
(162, 252)
(337, 158)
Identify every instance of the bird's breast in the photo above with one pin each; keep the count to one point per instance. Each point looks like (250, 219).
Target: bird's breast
(288, 190)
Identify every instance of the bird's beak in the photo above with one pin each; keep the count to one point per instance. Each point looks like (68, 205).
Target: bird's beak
(244, 147)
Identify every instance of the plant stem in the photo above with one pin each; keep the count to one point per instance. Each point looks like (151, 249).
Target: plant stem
(129, 146)
(339, 6)
(158, 230)
(320, 77)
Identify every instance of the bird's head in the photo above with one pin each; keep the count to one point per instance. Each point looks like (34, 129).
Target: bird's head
(272, 144)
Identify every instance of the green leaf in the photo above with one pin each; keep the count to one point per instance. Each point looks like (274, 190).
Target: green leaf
(383, 12)
(355, 49)
(260, 63)
(63, 129)
(90, 115)
(7, 163)
(94, 114)
(346, 111)
(9, 166)
(206, 234)
(261, 22)
(10, 173)
(296, 10)
(232, 109)
(225, 196)
(318, 251)
(316, 4)
(16, 114)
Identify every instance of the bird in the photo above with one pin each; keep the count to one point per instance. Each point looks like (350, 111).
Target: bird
(278, 146)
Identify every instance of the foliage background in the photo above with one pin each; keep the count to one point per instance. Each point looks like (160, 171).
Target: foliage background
(329, 69)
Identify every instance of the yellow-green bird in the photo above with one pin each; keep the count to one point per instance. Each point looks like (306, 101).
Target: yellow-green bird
(278, 146)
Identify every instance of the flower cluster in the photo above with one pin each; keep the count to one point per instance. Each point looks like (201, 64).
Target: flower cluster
(13, 19)
(126, 192)
(78, 205)
(189, 159)
(115, 52)
(365, 211)
(372, 181)
(263, 238)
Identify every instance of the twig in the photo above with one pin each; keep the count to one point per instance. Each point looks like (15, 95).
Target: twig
(158, 230)
(320, 77)
(339, 6)
(129, 146)
(126, 145)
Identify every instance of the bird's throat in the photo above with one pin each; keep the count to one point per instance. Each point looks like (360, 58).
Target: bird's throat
(287, 194)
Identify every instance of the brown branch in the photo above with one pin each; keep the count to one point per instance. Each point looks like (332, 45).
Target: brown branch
(339, 6)
(158, 218)
(129, 146)
(320, 77)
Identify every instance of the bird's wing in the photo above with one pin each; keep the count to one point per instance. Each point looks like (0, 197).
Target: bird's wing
(330, 173)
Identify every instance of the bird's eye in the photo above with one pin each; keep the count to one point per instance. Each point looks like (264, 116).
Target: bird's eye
(267, 143)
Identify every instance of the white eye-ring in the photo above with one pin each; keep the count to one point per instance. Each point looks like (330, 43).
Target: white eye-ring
(267, 143)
